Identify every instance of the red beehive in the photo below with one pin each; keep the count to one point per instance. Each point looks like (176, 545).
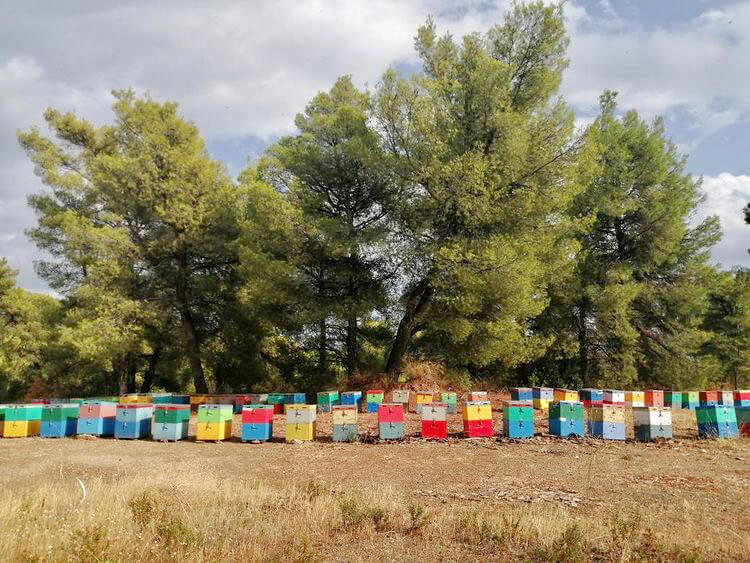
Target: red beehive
(654, 398)
(98, 410)
(434, 429)
(708, 397)
(478, 428)
(390, 412)
(257, 416)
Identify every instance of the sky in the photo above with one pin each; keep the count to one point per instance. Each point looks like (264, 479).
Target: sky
(242, 70)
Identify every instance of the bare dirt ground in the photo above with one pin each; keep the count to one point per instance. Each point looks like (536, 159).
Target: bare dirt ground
(480, 499)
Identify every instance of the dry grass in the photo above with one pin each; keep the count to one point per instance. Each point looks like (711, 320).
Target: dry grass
(541, 500)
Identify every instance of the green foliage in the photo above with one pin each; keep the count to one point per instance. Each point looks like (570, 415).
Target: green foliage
(335, 174)
(728, 320)
(489, 157)
(454, 215)
(632, 307)
(26, 329)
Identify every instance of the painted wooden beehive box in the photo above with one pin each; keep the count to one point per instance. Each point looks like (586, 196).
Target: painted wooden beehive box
(566, 419)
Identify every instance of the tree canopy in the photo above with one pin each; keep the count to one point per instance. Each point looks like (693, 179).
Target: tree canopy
(455, 215)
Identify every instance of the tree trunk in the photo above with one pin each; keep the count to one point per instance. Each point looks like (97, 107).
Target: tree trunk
(351, 346)
(194, 352)
(120, 369)
(150, 375)
(323, 346)
(132, 371)
(583, 347)
(418, 301)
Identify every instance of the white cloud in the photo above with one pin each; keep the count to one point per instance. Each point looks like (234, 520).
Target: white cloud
(244, 69)
(726, 195)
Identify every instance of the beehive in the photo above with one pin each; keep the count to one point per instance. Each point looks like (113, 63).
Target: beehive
(673, 399)
(401, 396)
(22, 421)
(240, 400)
(97, 418)
(258, 398)
(133, 420)
(196, 401)
(651, 423)
(59, 420)
(716, 421)
(635, 398)
(726, 398)
(373, 397)
(477, 417)
(419, 398)
(451, 401)
(518, 419)
(566, 419)
(391, 421)
(214, 422)
(171, 422)
(542, 397)
(257, 423)
(708, 398)
(352, 398)
(653, 398)
(477, 396)
(591, 397)
(297, 398)
(521, 394)
(567, 395)
(277, 400)
(344, 427)
(742, 398)
(614, 397)
(301, 422)
(326, 400)
(607, 422)
(434, 421)
(690, 399)
(743, 420)
(2, 419)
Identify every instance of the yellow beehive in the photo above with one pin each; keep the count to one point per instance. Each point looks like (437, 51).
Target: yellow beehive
(541, 404)
(300, 431)
(21, 428)
(607, 413)
(213, 431)
(478, 396)
(344, 416)
(635, 398)
(566, 395)
(481, 411)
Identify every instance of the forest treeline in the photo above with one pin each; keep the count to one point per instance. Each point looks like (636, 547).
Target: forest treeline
(456, 215)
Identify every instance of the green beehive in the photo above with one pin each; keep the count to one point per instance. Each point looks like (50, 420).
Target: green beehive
(215, 413)
(172, 416)
(276, 398)
(715, 415)
(60, 414)
(23, 413)
(517, 412)
(567, 410)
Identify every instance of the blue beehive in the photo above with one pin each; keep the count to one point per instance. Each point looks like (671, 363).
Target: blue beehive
(97, 418)
(521, 394)
(256, 432)
(716, 421)
(518, 419)
(607, 422)
(59, 420)
(591, 397)
(295, 398)
(351, 398)
(133, 421)
(566, 419)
